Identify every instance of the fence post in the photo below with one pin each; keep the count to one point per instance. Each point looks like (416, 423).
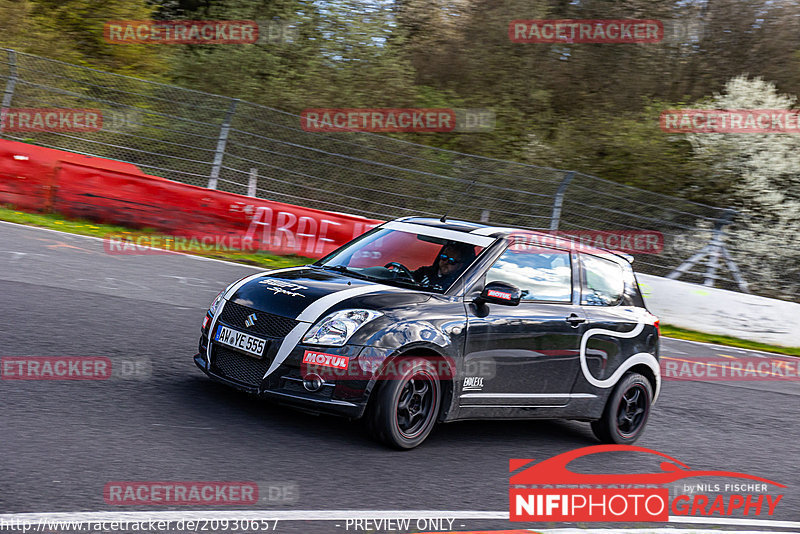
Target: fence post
(221, 142)
(10, 84)
(252, 182)
(558, 201)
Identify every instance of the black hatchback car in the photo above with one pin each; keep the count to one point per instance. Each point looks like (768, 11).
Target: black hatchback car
(420, 321)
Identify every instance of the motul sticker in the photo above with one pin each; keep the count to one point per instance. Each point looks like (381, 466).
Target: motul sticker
(326, 360)
(498, 294)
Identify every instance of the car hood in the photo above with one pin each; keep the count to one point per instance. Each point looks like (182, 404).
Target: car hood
(305, 293)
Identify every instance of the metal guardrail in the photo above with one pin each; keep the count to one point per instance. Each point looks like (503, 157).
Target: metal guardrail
(220, 142)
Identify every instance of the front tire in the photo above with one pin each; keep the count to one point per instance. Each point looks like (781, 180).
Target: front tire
(626, 411)
(404, 409)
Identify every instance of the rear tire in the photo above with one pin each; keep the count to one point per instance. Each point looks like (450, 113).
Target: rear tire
(403, 411)
(626, 411)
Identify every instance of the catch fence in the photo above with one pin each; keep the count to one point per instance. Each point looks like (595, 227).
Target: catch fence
(230, 144)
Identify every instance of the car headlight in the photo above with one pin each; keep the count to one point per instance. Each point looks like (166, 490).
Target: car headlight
(215, 304)
(336, 328)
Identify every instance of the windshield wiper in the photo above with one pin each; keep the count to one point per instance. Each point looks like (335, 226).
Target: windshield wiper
(345, 270)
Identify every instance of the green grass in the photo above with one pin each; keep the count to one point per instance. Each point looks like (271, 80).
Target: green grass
(56, 221)
(691, 335)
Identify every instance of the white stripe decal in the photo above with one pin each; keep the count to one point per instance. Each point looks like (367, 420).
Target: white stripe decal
(234, 288)
(311, 314)
(641, 357)
(315, 310)
(454, 235)
(211, 332)
(334, 515)
(287, 346)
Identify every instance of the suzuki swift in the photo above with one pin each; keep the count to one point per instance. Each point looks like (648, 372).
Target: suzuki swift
(422, 321)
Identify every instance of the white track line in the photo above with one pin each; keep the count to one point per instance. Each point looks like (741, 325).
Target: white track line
(734, 521)
(727, 347)
(331, 515)
(665, 530)
(201, 258)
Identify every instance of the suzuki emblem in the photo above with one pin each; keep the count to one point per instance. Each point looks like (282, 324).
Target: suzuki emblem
(251, 320)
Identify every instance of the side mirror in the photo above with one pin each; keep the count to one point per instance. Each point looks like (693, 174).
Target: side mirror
(501, 293)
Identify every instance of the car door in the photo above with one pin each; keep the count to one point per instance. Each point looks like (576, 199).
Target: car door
(524, 355)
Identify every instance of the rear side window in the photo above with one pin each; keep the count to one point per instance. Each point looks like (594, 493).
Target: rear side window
(541, 274)
(602, 281)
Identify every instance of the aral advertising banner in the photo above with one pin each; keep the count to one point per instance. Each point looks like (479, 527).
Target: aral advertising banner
(187, 218)
(198, 219)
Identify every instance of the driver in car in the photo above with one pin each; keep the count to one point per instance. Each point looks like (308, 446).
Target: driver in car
(448, 265)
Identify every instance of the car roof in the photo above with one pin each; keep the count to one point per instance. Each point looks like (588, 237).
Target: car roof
(505, 231)
(457, 225)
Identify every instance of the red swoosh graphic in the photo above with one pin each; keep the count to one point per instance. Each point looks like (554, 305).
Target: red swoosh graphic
(554, 470)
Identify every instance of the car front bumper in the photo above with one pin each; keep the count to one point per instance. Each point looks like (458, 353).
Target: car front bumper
(285, 386)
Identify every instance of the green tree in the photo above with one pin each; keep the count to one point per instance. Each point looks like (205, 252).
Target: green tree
(72, 31)
(340, 55)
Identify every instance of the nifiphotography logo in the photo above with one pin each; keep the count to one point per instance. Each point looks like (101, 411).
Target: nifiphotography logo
(549, 491)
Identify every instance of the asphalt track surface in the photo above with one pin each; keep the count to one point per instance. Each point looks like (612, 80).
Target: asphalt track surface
(62, 441)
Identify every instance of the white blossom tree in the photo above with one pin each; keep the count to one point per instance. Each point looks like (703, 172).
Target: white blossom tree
(764, 172)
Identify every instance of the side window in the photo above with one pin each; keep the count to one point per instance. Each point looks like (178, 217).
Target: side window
(541, 273)
(603, 281)
(633, 295)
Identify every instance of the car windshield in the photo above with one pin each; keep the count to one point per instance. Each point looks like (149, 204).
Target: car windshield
(405, 259)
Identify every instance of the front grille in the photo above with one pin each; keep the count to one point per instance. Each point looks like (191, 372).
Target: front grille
(267, 324)
(236, 366)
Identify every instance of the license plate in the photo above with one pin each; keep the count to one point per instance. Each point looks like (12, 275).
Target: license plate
(252, 345)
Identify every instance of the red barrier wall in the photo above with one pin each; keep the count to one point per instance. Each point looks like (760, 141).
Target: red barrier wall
(108, 191)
